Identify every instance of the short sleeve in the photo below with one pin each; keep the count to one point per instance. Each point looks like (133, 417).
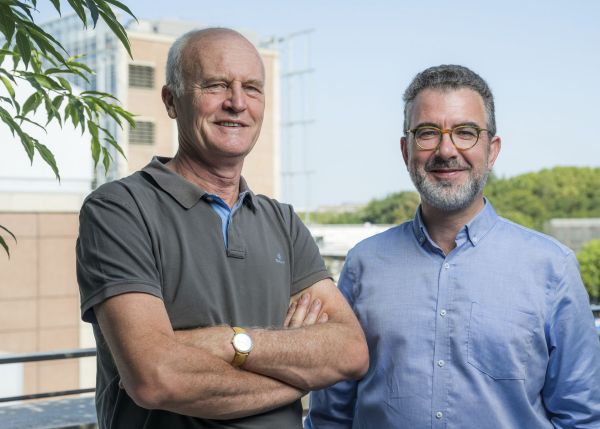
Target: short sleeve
(308, 267)
(114, 252)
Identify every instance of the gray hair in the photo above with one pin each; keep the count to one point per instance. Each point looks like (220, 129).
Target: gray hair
(445, 77)
(174, 68)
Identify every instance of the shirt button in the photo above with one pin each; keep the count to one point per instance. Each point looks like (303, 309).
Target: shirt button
(441, 363)
(446, 265)
(443, 313)
(439, 415)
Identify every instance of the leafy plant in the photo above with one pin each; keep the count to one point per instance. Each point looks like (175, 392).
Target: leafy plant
(41, 61)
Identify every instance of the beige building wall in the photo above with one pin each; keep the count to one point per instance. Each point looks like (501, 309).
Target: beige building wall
(261, 168)
(39, 298)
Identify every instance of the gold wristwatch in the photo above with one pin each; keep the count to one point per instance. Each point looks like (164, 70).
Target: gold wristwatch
(242, 344)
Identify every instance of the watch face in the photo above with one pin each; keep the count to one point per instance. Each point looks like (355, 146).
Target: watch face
(242, 343)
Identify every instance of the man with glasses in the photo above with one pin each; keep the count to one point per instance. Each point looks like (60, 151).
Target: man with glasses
(471, 320)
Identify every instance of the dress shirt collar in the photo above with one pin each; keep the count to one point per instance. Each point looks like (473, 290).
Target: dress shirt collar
(184, 192)
(474, 231)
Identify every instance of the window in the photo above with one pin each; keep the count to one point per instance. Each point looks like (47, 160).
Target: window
(141, 76)
(143, 133)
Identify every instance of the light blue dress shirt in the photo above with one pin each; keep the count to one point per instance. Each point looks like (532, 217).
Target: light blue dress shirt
(497, 334)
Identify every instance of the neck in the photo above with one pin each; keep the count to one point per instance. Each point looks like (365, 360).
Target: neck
(223, 181)
(443, 226)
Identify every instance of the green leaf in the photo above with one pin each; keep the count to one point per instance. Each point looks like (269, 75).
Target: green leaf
(7, 22)
(110, 140)
(95, 150)
(122, 7)
(46, 81)
(8, 86)
(106, 159)
(58, 101)
(93, 129)
(65, 83)
(25, 7)
(3, 243)
(47, 156)
(8, 75)
(28, 144)
(93, 10)
(80, 66)
(32, 103)
(24, 47)
(56, 4)
(26, 119)
(118, 30)
(100, 94)
(79, 10)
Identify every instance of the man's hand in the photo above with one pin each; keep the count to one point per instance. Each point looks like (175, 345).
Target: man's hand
(303, 312)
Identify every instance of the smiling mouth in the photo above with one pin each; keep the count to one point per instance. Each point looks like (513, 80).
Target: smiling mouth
(230, 124)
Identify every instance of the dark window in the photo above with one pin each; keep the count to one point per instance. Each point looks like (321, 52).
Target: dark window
(141, 76)
(143, 133)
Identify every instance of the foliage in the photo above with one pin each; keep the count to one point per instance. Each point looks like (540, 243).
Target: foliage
(589, 265)
(29, 54)
(532, 199)
(529, 199)
(394, 208)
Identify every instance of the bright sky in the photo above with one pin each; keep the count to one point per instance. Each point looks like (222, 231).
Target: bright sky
(541, 59)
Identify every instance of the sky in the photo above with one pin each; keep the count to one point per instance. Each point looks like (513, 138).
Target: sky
(541, 59)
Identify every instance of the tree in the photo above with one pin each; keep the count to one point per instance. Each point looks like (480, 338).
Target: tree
(589, 265)
(41, 61)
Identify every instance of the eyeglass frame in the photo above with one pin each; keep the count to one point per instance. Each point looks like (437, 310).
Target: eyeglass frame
(449, 132)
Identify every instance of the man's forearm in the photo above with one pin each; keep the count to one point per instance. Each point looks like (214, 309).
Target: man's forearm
(308, 356)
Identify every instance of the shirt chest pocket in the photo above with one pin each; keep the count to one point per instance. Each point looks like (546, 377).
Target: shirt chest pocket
(499, 341)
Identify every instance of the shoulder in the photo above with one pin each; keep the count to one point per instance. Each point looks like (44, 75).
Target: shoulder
(123, 191)
(396, 236)
(529, 239)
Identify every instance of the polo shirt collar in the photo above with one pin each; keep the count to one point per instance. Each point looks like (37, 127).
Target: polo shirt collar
(184, 192)
(475, 230)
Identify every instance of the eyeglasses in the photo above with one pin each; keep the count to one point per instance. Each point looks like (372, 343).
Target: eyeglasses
(463, 136)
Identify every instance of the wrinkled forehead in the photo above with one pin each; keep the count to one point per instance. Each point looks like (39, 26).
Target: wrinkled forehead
(223, 50)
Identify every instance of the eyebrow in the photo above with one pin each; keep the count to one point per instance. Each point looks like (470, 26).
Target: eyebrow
(459, 124)
(210, 79)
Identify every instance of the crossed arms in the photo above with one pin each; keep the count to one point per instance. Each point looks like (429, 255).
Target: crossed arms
(189, 372)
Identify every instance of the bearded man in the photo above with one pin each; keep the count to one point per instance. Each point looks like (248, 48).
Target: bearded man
(471, 320)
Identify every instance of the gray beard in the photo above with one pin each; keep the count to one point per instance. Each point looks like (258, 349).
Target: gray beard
(446, 197)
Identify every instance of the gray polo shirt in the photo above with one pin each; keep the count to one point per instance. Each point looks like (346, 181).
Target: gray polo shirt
(154, 232)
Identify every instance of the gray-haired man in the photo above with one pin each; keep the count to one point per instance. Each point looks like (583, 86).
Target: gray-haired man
(181, 268)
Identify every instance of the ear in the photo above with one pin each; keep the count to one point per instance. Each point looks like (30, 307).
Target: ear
(168, 100)
(494, 150)
(404, 149)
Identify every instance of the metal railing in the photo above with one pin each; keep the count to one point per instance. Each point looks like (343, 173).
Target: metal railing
(69, 412)
(44, 356)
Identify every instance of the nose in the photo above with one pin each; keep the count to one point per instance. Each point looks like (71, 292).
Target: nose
(236, 98)
(446, 148)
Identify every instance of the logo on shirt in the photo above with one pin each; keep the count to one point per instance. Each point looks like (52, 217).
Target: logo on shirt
(279, 259)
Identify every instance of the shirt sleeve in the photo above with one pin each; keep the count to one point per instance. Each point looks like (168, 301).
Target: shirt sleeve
(308, 266)
(571, 391)
(333, 407)
(114, 252)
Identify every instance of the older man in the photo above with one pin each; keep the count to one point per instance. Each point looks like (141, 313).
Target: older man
(471, 320)
(187, 275)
